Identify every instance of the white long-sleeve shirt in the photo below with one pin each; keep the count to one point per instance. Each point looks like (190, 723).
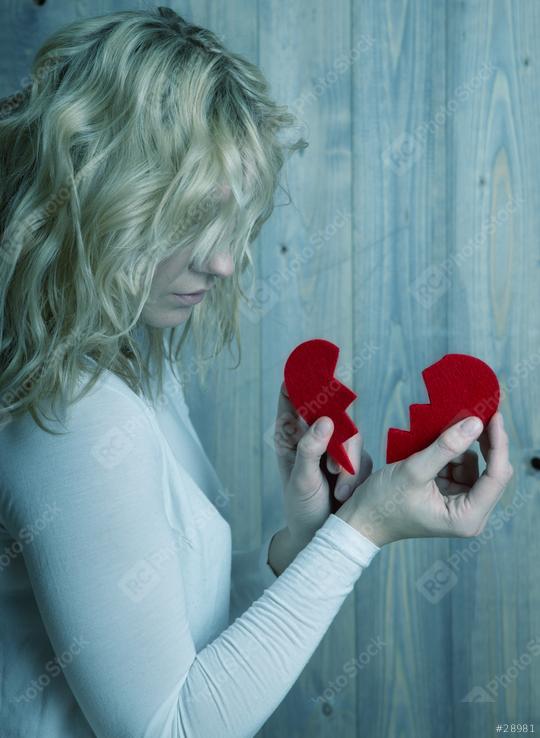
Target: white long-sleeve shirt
(115, 582)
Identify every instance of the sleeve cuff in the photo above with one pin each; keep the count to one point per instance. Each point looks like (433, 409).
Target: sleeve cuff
(348, 540)
(339, 533)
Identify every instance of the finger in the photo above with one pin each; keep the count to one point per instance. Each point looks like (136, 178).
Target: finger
(445, 472)
(425, 465)
(289, 426)
(287, 432)
(449, 487)
(465, 471)
(362, 464)
(306, 470)
(485, 494)
(347, 487)
(354, 447)
(366, 467)
(285, 408)
(483, 439)
(332, 466)
(284, 403)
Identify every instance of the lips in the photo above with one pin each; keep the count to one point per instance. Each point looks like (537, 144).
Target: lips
(191, 298)
(191, 294)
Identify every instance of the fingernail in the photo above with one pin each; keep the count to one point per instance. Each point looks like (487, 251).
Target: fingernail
(323, 427)
(342, 491)
(471, 426)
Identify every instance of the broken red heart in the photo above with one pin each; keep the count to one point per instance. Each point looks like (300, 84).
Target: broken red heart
(314, 392)
(458, 386)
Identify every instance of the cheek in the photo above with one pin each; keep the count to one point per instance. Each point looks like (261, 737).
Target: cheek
(160, 275)
(163, 276)
(168, 270)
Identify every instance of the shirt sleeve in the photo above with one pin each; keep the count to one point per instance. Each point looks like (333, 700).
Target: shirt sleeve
(136, 672)
(251, 574)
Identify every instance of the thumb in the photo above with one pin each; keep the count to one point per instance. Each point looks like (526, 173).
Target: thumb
(424, 465)
(310, 448)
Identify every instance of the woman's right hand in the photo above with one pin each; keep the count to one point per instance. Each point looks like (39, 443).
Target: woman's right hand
(436, 491)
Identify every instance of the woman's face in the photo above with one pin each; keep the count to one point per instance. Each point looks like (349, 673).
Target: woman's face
(168, 303)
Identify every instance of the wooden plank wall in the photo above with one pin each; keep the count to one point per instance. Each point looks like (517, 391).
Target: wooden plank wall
(412, 232)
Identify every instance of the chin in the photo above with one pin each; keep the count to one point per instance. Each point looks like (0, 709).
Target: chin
(166, 318)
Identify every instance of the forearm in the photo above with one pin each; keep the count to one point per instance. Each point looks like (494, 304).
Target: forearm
(237, 680)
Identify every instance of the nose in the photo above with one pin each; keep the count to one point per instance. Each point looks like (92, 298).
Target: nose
(220, 264)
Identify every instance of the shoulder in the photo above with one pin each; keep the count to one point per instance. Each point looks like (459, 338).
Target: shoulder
(107, 449)
(102, 433)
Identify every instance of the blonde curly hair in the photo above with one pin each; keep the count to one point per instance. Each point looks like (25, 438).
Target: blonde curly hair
(116, 155)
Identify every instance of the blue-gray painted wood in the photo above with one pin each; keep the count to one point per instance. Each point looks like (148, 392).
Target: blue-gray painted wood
(412, 232)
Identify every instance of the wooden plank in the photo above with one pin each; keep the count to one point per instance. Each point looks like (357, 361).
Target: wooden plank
(398, 195)
(306, 265)
(494, 299)
(232, 397)
(26, 25)
(384, 251)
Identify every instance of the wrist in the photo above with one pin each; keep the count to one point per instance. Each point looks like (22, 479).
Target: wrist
(361, 522)
(282, 550)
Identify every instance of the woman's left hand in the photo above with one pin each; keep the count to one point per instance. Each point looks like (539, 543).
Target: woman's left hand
(314, 485)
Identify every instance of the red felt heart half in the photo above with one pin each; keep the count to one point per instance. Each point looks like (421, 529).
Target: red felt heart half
(458, 386)
(314, 391)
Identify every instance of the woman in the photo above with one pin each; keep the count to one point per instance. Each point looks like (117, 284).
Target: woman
(137, 170)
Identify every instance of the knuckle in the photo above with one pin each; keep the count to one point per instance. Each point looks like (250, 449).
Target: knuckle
(307, 445)
(285, 419)
(408, 471)
(447, 443)
(282, 441)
